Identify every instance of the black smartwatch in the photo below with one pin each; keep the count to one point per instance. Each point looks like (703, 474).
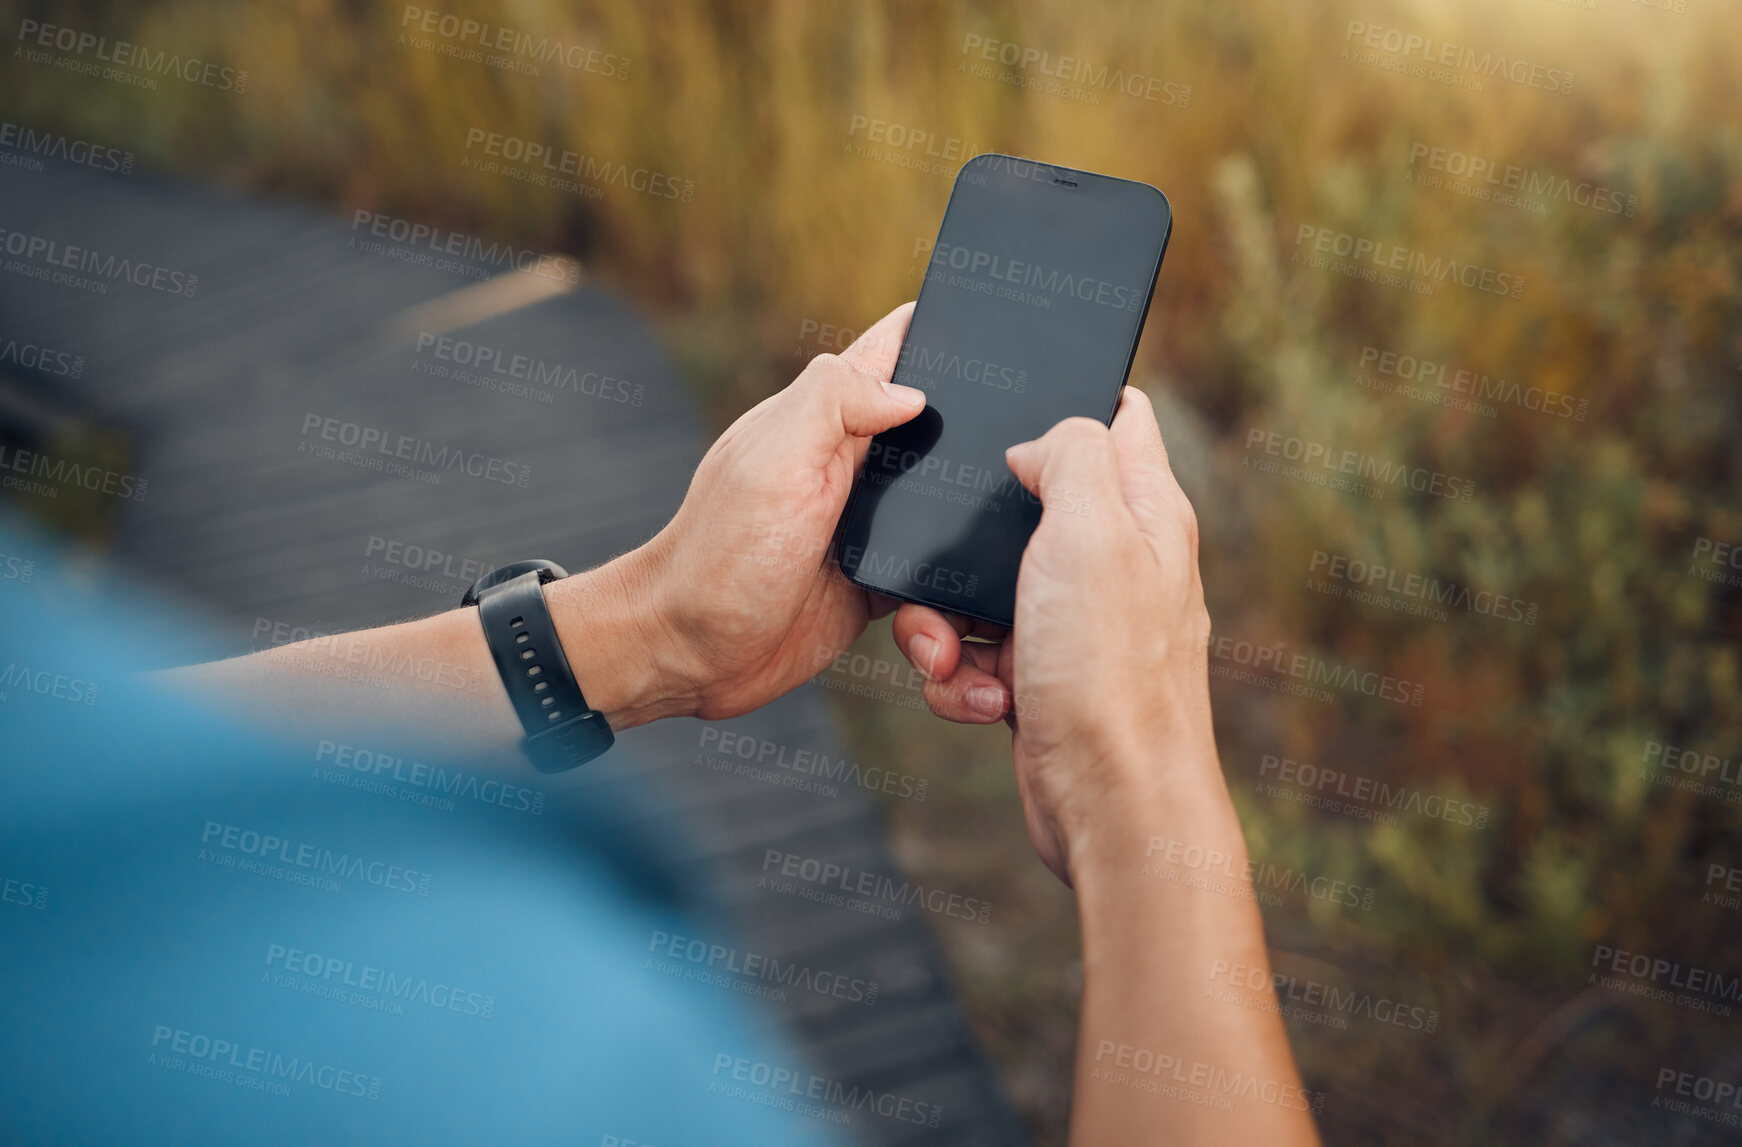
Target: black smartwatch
(562, 731)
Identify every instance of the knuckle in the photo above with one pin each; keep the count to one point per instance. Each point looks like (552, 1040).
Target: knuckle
(839, 372)
(1197, 626)
(1078, 429)
(1188, 520)
(824, 368)
(1155, 453)
(1080, 438)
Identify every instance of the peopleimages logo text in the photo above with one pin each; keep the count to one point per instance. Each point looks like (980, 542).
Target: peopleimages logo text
(270, 1067)
(1369, 792)
(115, 268)
(337, 972)
(1053, 281)
(435, 778)
(57, 146)
(858, 882)
(922, 367)
(1418, 587)
(811, 762)
(1491, 65)
(268, 847)
(1353, 463)
(1655, 976)
(421, 451)
(468, 33)
(422, 238)
(1524, 180)
(1069, 70)
(47, 683)
(1391, 257)
(901, 570)
(592, 169)
(123, 54)
(777, 1078)
(756, 966)
(64, 472)
(894, 461)
(1311, 669)
(32, 356)
(1399, 367)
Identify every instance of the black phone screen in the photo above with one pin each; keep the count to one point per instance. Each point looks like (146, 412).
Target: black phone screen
(1034, 297)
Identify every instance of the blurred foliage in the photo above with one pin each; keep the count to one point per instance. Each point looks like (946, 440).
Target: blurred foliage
(796, 221)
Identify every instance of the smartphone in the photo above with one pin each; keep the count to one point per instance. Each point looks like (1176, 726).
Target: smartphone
(1033, 298)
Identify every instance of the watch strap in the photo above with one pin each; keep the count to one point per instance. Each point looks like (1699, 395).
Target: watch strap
(562, 730)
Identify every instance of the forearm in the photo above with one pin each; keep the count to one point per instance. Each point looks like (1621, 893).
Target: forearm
(696, 620)
(1163, 1055)
(432, 682)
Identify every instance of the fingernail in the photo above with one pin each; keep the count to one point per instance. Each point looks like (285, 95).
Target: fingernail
(987, 700)
(924, 652)
(1015, 453)
(907, 395)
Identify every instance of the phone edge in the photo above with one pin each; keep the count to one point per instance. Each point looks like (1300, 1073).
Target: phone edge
(1107, 420)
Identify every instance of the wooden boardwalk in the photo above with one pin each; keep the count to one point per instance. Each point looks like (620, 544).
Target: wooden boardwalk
(300, 316)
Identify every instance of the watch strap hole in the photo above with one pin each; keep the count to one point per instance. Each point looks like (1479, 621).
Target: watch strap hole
(521, 634)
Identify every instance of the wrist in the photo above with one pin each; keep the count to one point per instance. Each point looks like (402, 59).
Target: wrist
(610, 623)
(1158, 795)
(1164, 869)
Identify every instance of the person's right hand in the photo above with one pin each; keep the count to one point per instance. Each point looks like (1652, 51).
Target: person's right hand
(1107, 658)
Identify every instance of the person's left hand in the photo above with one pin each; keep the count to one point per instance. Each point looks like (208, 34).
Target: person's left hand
(743, 599)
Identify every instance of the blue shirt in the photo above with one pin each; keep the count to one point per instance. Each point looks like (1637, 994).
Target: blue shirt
(210, 937)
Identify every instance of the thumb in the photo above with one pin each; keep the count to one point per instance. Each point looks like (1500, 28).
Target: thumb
(1072, 468)
(874, 356)
(877, 352)
(836, 399)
